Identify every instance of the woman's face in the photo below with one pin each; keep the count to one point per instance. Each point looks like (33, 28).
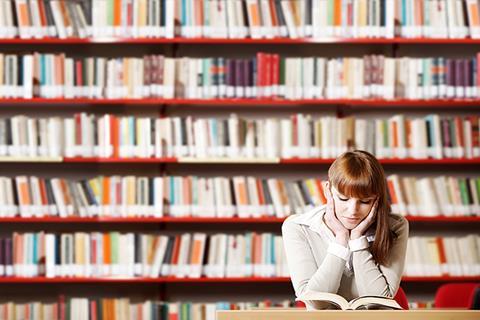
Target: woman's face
(351, 211)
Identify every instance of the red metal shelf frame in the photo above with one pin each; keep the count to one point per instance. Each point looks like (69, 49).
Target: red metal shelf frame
(119, 280)
(187, 220)
(286, 41)
(371, 103)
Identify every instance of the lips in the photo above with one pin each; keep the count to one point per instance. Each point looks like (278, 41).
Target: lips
(352, 219)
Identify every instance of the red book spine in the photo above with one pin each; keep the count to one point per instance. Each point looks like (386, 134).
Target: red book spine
(93, 310)
(294, 130)
(43, 16)
(275, 73)
(475, 131)
(260, 73)
(61, 303)
(114, 135)
(268, 74)
(478, 71)
(78, 75)
(459, 132)
(78, 129)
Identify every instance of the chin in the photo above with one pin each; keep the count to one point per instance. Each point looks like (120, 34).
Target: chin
(349, 225)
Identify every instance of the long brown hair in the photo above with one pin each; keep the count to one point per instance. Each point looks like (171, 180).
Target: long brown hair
(358, 174)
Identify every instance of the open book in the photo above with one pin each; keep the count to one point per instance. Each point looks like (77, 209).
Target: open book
(324, 300)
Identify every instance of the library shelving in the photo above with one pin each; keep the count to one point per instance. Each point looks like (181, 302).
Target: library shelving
(233, 161)
(284, 41)
(119, 280)
(224, 104)
(197, 220)
(254, 102)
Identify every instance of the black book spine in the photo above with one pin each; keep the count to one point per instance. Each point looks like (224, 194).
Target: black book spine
(383, 13)
(450, 72)
(281, 17)
(458, 73)
(266, 192)
(239, 71)
(8, 254)
(230, 71)
(469, 191)
(429, 136)
(2, 256)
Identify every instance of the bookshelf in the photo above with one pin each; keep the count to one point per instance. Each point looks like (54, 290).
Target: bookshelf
(232, 161)
(391, 46)
(254, 102)
(195, 220)
(279, 41)
(240, 280)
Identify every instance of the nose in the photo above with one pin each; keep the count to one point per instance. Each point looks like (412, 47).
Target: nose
(353, 208)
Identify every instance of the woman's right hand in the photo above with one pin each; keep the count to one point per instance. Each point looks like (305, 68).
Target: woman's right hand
(341, 233)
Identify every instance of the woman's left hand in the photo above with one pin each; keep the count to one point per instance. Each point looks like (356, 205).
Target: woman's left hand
(359, 230)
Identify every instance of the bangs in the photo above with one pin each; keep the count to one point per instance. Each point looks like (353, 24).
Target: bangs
(355, 187)
(356, 177)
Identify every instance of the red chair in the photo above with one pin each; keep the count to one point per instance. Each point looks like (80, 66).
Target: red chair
(455, 295)
(401, 298)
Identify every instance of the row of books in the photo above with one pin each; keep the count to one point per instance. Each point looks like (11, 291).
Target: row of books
(437, 256)
(297, 136)
(434, 196)
(124, 308)
(197, 255)
(56, 75)
(241, 18)
(220, 197)
(112, 254)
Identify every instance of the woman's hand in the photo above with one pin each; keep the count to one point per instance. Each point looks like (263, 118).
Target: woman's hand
(341, 233)
(360, 229)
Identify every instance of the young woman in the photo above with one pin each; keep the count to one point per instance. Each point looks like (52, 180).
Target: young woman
(352, 246)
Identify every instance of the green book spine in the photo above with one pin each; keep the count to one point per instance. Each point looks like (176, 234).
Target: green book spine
(463, 191)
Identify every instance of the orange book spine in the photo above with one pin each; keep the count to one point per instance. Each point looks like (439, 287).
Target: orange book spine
(107, 249)
(391, 190)
(318, 182)
(196, 252)
(441, 251)
(261, 193)
(106, 191)
(337, 13)
(176, 250)
(117, 13)
(395, 134)
(115, 135)
(274, 13)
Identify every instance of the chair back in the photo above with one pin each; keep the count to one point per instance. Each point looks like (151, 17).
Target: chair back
(401, 298)
(455, 295)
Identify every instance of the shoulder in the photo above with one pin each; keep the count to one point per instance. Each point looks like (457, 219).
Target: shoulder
(398, 224)
(302, 220)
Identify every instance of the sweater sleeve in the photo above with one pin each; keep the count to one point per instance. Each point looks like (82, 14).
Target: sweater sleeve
(304, 272)
(374, 279)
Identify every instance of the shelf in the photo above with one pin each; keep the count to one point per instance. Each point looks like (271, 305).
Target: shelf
(31, 159)
(140, 220)
(119, 160)
(263, 160)
(188, 220)
(441, 279)
(119, 280)
(371, 103)
(142, 280)
(286, 41)
(443, 219)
